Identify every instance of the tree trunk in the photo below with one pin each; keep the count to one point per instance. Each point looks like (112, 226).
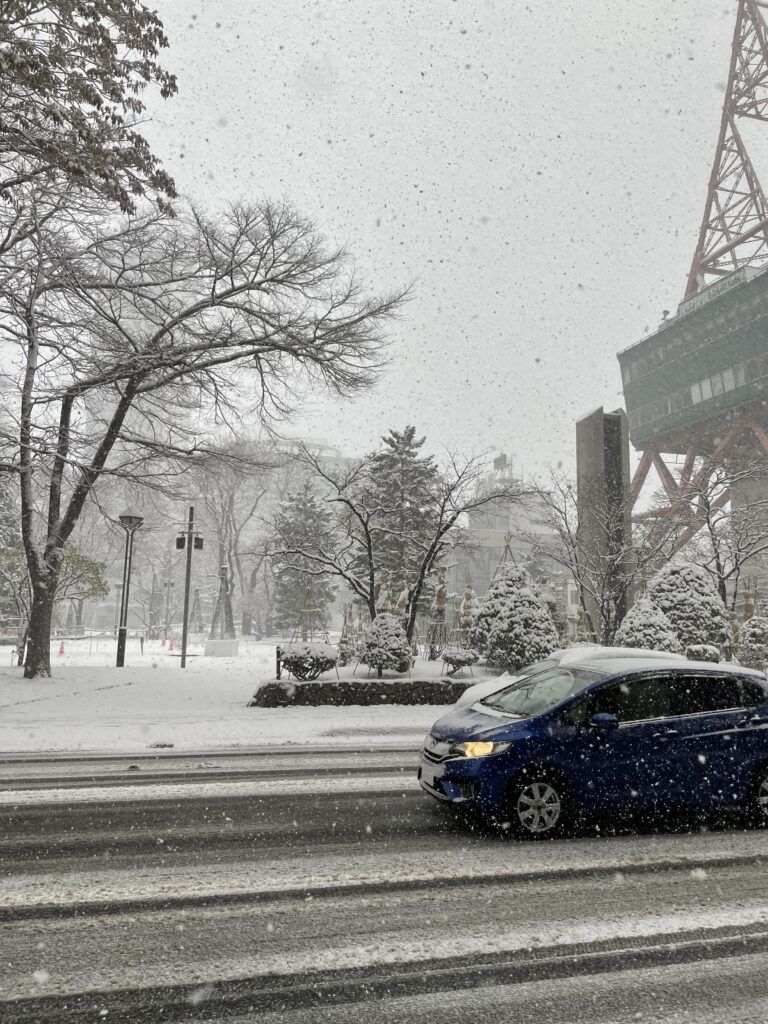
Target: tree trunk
(38, 661)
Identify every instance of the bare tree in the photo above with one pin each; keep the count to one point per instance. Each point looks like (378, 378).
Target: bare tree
(723, 516)
(133, 336)
(234, 487)
(363, 522)
(606, 574)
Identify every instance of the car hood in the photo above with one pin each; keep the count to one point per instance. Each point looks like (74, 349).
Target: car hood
(470, 723)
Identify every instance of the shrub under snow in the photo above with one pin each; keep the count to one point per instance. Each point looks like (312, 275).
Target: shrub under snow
(510, 579)
(385, 645)
(522, 632)
(702, 652)
(647, 627)
(753, 642)
(459, 657)
(687, 596)
(308, 660)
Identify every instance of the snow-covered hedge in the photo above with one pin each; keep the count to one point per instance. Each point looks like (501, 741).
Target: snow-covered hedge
(359, 692)
(702, 652)
(522, 632)
(753, 642)
(687, 596)
(647, 627)
(308, 660)
(385, 645)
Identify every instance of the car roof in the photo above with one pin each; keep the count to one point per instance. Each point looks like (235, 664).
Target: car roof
(588, 652)
(640, 663)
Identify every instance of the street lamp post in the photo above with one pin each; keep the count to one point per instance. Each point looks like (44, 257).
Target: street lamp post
(130, 522)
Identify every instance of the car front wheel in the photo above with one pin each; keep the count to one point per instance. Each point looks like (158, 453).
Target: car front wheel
(539, 806)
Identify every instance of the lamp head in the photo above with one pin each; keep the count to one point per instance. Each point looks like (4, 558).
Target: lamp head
(130, 520)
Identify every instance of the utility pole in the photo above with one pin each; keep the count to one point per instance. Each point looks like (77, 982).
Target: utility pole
(187, 579)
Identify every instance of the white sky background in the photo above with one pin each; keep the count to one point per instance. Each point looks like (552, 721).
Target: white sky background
(539, 170)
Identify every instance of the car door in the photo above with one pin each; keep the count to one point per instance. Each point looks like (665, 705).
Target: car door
(621, 767)
(751, 737)
(714, 735)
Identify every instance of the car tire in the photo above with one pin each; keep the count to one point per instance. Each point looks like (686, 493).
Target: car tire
(539, 805)
(758, 801)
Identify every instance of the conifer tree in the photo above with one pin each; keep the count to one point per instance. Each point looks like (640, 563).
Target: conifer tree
(753, 643)
(385, 645)
(301, 519)
(401, 483)
(522, 633)
(508, 579)
(647, 627)
(687, 596)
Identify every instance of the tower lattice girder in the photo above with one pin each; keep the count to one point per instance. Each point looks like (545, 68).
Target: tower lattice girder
(685, 492)
(734, 229)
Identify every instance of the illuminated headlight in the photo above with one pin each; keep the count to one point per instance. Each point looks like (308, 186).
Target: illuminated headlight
(477, 749)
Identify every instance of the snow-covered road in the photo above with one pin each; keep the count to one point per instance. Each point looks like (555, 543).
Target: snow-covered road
(300, 880)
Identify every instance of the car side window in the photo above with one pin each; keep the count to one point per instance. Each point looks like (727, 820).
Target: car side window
(752, 693)
(700, 695)
(635, 699)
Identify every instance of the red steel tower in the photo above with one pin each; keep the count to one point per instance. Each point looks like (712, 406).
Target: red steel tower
(696, 389)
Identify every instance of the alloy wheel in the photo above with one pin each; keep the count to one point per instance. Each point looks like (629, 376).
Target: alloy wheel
(539, 807)
(762, 798)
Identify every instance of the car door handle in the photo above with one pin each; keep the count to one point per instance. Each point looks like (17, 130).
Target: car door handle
(667, 734)
(753, 720)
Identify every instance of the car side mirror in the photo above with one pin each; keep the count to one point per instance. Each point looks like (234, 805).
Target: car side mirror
(604, 720)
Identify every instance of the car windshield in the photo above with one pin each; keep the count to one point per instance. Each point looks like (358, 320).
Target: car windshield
(541, 691)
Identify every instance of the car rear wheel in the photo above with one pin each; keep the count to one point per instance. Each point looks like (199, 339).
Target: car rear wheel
(759, 802)
(539, 805)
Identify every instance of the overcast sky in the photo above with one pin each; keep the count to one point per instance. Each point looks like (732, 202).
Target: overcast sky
(537, 169)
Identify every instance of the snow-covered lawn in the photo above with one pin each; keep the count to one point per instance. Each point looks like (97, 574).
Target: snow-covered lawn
(89, 705)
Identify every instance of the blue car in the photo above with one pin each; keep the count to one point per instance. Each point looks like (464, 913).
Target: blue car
(598, 735)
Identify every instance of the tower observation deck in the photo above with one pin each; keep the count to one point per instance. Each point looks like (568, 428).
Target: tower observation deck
(684, 383)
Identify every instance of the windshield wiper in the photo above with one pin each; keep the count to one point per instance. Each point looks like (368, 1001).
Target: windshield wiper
(500, 707)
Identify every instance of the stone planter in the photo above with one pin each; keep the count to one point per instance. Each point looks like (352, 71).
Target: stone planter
(221, 648)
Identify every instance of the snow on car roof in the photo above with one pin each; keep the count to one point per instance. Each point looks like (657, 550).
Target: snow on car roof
(641, 662)
(589, 652)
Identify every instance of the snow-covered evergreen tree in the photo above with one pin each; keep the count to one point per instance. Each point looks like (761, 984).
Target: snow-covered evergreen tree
(522, 632)
(385, 645)
(300, 520)
(509, 579)
(647, 627)
(400, 483)
(753, 642)
(687, 596)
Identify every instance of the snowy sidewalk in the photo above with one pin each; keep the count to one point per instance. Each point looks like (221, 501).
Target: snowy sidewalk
(90, 706)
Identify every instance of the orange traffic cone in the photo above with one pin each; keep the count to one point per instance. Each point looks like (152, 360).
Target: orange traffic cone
(61, 648)
(170, 647)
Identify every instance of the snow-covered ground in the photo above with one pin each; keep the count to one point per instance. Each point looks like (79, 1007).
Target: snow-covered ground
(89, 705)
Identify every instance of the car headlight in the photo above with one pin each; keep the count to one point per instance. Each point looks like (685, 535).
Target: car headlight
(479, 749)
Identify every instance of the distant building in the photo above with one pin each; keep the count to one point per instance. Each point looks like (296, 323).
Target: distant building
(512, 533)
